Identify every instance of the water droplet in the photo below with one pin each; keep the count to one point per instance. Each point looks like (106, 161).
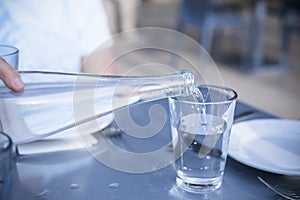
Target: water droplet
(208, 157)
(114, 185)
(74, 186)
(42, 193)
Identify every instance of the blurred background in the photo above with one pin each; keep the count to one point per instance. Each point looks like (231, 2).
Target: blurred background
(255, 43)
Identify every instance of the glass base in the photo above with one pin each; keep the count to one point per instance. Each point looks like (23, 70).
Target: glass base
(202, 186)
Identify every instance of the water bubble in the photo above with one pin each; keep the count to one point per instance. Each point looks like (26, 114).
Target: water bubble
(114, 185)
(74, 186)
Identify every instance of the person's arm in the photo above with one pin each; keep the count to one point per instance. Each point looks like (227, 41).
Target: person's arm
(99, 62)
(10, 77)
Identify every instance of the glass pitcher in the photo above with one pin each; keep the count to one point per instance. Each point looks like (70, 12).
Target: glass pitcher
(53, 102)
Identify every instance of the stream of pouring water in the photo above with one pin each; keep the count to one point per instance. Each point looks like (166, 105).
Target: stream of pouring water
(199, 97)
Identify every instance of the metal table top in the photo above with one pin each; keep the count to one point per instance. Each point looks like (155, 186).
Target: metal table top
(78, 175)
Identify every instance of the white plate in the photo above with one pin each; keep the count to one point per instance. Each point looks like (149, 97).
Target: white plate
(272, 145)
(67, 140)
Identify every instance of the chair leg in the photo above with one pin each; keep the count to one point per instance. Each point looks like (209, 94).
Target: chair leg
(217, 53)
(284, 46)
(246, 47)
(207, 35)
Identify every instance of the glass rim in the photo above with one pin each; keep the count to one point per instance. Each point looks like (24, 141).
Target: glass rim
(13, 50)
(233, 97)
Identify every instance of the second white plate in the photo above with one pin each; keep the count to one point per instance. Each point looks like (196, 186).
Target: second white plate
(272, 145)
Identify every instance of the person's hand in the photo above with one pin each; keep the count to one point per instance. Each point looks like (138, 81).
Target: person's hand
(10, 77)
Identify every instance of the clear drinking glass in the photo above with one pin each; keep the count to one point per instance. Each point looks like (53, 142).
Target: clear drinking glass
(200, 136)
(10, 54)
